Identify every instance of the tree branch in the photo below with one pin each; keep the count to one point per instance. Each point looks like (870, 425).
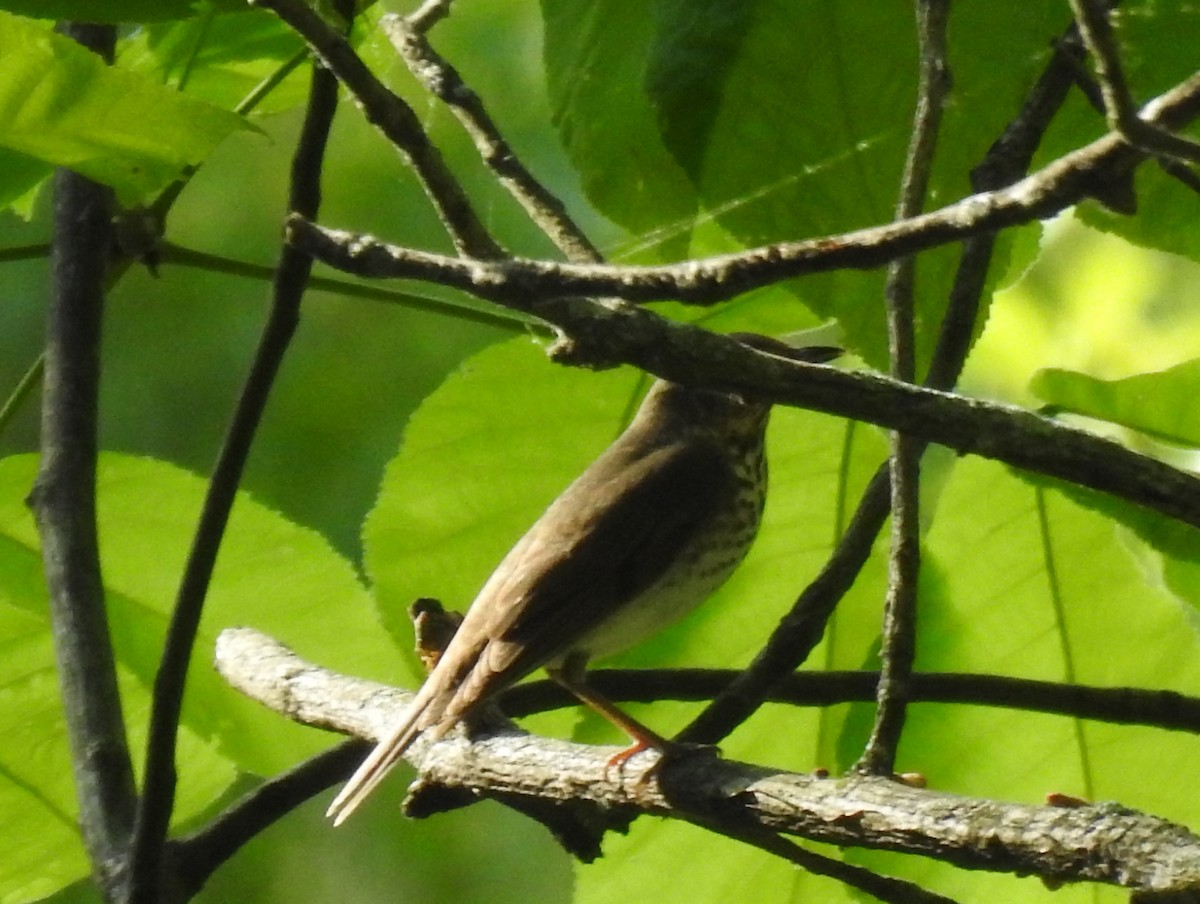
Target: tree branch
(442, 80)
(517, 281)
(688, 354)
(291, 276)
(899, 646)
(1104, 843)
(396, 120)
(64, 502)
(1119, 107)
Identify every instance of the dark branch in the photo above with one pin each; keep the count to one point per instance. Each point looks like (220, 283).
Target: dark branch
(196, 857)
(527, 283)
(1119, 107)
(64, 501)
(398, 122)
(899, 647)
(443, 81)
(291, 277)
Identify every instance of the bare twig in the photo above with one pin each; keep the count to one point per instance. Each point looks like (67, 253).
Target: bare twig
(196, 857)
(801, 630)
(899, 644)
(883, 888)
(397, 121)
(64, 501)
(1066, 181)
(24, 388)
(1114, 705)
(291, 277)
(1104, 843)
(1119, 107)
(443, 81)
(429, 14)
(467, 310)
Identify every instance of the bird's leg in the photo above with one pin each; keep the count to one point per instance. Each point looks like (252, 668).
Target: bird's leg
(571, 674)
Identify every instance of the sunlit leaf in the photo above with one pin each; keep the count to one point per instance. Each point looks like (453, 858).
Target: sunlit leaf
(1157, 404)
(62, 105)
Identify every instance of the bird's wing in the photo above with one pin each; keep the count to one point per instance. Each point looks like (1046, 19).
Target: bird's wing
(593, 551)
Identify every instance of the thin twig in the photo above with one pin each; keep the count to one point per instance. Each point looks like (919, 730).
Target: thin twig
(162, 205)
(22, 390)
(429, 14)
(197, 856)
(883, 888)
(1064, 182)
(157, 799)
(397, 121)
(1119, 107)
(64, 501)
(899, 644)
(801, 630)
(443, 81)
(468, 311)
(1168, 710)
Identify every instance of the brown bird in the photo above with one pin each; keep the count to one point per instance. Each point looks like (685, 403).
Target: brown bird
(645, 534)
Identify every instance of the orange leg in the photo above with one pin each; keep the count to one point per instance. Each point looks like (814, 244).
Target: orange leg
(571, 675)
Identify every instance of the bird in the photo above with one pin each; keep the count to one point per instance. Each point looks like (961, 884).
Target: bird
(649, 531)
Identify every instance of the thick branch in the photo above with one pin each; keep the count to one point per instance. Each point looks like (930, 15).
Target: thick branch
(1013, 435)
(1104, 843)
(64, 501)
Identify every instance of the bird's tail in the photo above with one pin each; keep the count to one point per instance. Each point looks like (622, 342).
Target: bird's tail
(380, 762)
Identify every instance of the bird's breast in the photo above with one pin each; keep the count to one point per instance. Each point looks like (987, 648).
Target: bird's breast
(700, 567)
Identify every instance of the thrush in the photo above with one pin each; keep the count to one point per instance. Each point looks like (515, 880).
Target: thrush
(653, 526)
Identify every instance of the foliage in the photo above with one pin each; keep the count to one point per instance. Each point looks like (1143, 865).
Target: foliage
(676, 130)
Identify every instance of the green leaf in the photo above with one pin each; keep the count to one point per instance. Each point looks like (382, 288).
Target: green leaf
(224, 57)
(1157, 404)
(43, 848)
(595, 54)
(114, 11)
(272, 574)
(62, 105)
(768, 141)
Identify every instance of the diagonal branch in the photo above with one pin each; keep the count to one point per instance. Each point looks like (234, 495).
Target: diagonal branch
(291, 277)
(398, 122)
(522, 281)
(1119, 107)
(443, 81)
(1104, 843)
(687, 354)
